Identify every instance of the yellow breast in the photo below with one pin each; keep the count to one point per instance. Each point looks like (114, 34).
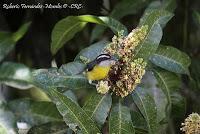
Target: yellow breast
(98, 73)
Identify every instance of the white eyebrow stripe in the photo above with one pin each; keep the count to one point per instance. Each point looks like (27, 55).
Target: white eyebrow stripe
(103, 56)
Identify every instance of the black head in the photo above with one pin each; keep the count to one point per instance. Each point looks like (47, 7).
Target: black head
(100, 58)
(103, 57)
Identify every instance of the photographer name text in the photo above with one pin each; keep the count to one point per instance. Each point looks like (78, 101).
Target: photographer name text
(40, 6)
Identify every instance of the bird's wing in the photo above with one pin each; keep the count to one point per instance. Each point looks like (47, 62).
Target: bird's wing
(91, 65)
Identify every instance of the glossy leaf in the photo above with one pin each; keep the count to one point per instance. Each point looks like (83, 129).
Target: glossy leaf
(155, 19)
(168, 5)
(114, 25)
(51, 78)
(178, 105)
(2, 130)
(72, 68)
(168, 82)
(155, 16)
(38, 94)
(98, 107)
(178, 109)
(171, 59)
(65, 29)
(138, 120)
(120, 120)
(127, 7)
(97, 32)
(147, 107)
(21, 31)
(123, 8)
(8, 40)
(149, 83)
(71, 96)
(68, 76)
(74, 113)
(91, 52)
(15, 75)
(34, 112)
(161, 103)
(7, 120)
(51, 127)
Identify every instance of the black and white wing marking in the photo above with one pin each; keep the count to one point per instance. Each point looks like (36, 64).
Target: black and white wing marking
(91, 65)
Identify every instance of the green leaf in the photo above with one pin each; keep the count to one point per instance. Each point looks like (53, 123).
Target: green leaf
(91, 52)
(171, 59)
(34, 112)
(127, 7)
(98, 107)
(72, 68)
(15, 75)
(114, 25)
(74, 113)
(168, 82)
(97, 32)
(155, 19)
(8, 40)
(51, 78)
(178, 110)
(178, 105)
(51, 127)
(2, 130)
(7, 120)
(156, 16)
(168, 5)
(71, 96)
(147, 107)
(138, 120)
(196, 16)
(123, 8)
(150, 85)
(120, 120)
(21, 31)
(68, 76)
(65, 29)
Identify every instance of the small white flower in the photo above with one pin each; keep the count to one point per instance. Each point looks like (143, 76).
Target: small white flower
(102, 87)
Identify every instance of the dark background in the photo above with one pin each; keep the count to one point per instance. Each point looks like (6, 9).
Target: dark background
(33, 49)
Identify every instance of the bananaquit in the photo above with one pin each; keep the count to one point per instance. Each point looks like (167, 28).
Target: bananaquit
(98, 69)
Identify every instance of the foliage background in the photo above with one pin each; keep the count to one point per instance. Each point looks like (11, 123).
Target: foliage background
(34, 50)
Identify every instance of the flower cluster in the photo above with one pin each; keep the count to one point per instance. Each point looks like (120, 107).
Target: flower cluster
(127, 73)
(125, 77)
(102, 87)
(124, 47)
(191, 124)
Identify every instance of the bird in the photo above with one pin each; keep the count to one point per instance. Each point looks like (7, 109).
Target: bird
(99, 68)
